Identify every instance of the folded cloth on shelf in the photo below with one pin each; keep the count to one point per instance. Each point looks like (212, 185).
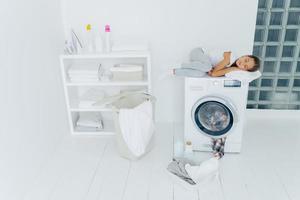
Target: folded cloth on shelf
(84, 79)
(137, 127)
(90, 97)
(84, 128)
(84, 69)
(91, 120)
(84, 73)
(83, 76)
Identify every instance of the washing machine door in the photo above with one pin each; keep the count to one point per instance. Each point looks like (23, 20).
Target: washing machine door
(213, 116)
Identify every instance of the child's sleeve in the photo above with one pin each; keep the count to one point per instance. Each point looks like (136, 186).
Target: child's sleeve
(233, 58)
(215, 56)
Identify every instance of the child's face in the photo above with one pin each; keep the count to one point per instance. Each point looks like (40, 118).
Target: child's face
(245, 63)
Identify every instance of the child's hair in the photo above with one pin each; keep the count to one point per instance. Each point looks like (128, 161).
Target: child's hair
(256, 63)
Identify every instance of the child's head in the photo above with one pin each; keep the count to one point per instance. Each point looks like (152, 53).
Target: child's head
(248, 63)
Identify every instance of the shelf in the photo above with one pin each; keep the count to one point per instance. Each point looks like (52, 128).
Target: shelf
(75, 90)
(111, 83)
(121, 54)
(108, 130)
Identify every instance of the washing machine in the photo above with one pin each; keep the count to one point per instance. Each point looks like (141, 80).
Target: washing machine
(214, 108)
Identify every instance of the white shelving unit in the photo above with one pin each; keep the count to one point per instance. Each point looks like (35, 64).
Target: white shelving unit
(73, 90)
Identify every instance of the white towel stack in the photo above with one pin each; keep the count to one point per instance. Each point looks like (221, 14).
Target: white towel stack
(90, 97)
(89, 122)
(84, 73)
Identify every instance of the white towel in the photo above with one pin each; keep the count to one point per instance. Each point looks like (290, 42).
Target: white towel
(137, 127)
(243, 75)
(90, 97)
(84, 79)
(83, 75)
(84, 69)
(88, 129)
(90, 120)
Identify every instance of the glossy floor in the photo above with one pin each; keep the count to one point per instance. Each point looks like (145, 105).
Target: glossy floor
(89, 168)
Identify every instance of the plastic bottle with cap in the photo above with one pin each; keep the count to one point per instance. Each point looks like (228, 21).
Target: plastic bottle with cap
(107, 39)
(188, 152)
(90, 45)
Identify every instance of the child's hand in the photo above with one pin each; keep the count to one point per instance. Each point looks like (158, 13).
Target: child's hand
(210, 72)
(226, 56)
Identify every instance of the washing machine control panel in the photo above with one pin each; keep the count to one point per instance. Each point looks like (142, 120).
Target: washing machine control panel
(232, 83)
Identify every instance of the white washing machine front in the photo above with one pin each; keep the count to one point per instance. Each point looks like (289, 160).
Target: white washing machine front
(214, 108)
(214, 116)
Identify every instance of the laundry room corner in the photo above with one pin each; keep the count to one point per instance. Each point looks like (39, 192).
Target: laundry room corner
(150, 100)
(166, 26)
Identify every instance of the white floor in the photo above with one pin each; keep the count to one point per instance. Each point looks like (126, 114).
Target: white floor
(89, 168)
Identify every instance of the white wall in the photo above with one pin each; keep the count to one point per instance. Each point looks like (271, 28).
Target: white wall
(32, 115)
(173, 28)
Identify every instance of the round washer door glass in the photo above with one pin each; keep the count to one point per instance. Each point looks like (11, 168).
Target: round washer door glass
(213, 118)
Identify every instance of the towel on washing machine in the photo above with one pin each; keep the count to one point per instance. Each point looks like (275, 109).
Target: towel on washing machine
(137, 127)
(243, 75)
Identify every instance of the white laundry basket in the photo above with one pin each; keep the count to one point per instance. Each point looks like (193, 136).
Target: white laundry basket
(130, 100)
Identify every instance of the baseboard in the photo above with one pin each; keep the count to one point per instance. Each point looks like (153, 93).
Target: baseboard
(272, 114)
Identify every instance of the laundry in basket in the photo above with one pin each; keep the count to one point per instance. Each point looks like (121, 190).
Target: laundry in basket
(134, 124)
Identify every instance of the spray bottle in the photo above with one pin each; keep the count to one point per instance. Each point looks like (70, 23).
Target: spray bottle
(107, 39)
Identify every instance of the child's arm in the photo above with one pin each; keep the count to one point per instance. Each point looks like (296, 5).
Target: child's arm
(223, 63)
(222, 72)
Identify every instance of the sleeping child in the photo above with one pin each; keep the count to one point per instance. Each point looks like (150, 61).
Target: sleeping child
(201, 64)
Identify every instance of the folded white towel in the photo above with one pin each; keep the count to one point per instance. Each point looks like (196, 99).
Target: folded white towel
(243, 75)
(92, 120)
(88, 69)
(83, 75)
(84, 79)
(90, 124)
(84, 128)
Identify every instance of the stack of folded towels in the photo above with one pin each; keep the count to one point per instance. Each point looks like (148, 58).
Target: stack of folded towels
(89, 121)
(84, 73)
